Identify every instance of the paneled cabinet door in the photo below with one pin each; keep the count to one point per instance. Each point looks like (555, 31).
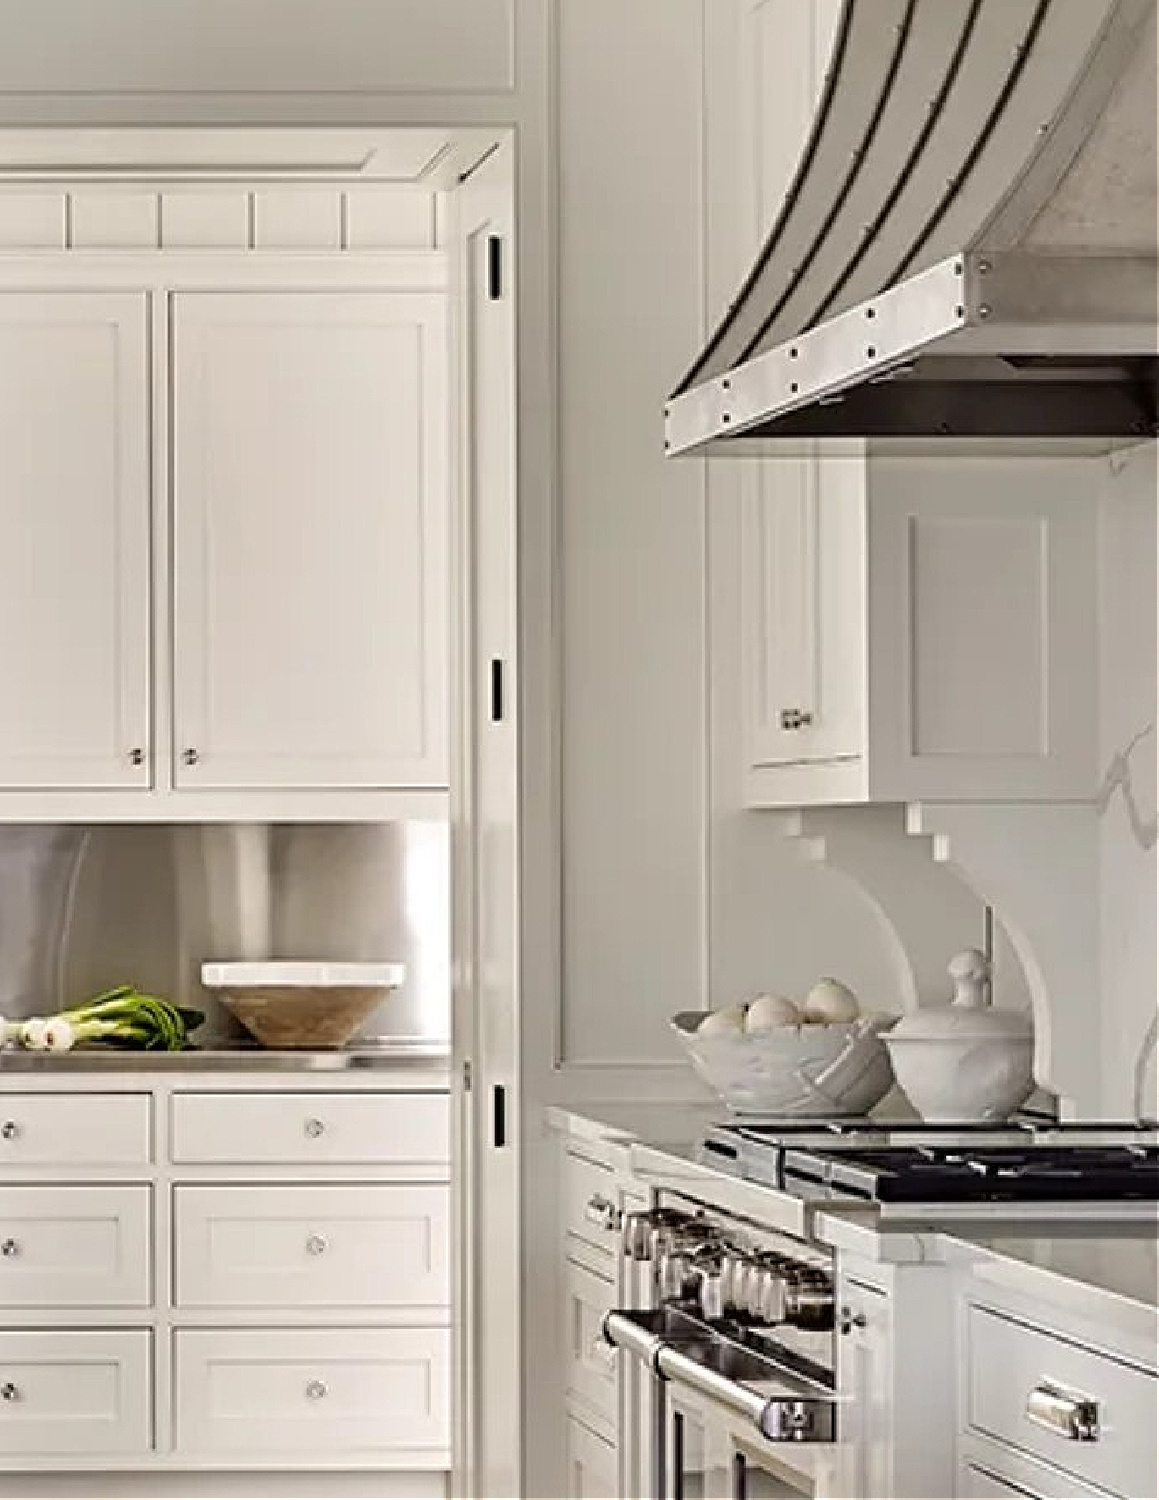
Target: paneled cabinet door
(591, 1464)
(74, 540)
(803, 624)
(310, 539)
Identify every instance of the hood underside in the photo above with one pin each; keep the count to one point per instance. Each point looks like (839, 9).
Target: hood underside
(968, 250)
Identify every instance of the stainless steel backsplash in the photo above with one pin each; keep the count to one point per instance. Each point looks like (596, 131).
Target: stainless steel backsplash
(82, 909)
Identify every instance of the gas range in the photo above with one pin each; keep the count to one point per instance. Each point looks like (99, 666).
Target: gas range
(907, 1170)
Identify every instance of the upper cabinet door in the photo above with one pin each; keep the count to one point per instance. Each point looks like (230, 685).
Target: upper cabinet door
(74, 540)
(310, 540)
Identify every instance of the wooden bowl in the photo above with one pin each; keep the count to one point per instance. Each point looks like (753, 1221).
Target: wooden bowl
(297, 1007)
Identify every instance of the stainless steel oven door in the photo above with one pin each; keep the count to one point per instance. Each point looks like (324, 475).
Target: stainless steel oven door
(709, 1395)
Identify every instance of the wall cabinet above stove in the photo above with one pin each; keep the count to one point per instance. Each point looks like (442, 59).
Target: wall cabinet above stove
(224, 570)
(919, 631)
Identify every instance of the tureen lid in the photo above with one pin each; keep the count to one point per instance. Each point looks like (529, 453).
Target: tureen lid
(969, 1014)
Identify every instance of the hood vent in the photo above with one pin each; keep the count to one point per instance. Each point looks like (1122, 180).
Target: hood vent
(968, 251)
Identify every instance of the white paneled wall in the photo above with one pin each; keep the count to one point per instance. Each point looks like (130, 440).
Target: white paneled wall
(191, 217)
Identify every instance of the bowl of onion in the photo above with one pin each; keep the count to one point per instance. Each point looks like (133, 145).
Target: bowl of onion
(773, 1056)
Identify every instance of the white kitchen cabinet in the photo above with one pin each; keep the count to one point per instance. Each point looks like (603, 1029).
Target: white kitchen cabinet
(190, 1307)
(75, 528)
(310, 540)
(921, 631)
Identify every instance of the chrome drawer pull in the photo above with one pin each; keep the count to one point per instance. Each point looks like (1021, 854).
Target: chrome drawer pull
(602, 1211)
(1063, 1412)
(316, 1391)
(9, 1130)
(10, 1249)
(9, 1392)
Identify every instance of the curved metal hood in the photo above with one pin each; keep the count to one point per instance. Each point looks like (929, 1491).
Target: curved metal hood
(968, 250)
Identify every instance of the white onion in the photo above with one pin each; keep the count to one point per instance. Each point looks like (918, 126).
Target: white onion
(830, 1003)
(771, 1012)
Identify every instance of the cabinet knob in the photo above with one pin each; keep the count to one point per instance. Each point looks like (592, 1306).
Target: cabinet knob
(189, 757)
(9, 1130)
(136, 757)
(315, 1127)
(795, 718)
(316, 1390)
(316, 1245)
(10, 1249)
(9, 1392)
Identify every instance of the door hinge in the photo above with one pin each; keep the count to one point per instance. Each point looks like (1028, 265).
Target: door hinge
(494, 267)
(497, 704)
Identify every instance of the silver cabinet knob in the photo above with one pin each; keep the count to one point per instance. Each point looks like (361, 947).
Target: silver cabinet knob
(9, 1130)
(316, 1390)
(316, 1245)
(795, 718)
(9, 1392)
(315, 1127)
(189, 757)
(136, 757)
(10, 1249)
(602, 1211)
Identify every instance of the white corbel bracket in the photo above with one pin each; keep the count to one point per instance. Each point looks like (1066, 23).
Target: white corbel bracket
(1037, 865)
(926, 914)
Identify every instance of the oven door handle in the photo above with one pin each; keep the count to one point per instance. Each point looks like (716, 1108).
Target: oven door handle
(782, 1408)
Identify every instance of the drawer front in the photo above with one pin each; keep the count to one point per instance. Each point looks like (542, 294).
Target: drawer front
(307, 1130)
(592, 1467)
(591, 1361)
(590, 1203)
(314, 1392)
(1009, 1361)
(74, 1247)
(70, 1393)
(74, 1130)
(381, 1246)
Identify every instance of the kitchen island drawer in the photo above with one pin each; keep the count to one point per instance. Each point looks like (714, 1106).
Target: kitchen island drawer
(313, 1129)
(590, 1207)
(74, 1393)
(74, 1247)
(1027, 1387)
(354, 1393)
(74, 1130)
(380, 1245)
(591, 1360)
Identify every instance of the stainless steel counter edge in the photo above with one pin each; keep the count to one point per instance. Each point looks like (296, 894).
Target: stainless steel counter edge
(396, 1056)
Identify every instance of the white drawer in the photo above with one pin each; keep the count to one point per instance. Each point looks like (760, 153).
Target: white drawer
(590, 1201)
(74, 1247)
(315, 1392)
(76, 1392)
(313, 1129)
(591, 1361)
(383, 1245)
(74, 1130)
(1009, 1360)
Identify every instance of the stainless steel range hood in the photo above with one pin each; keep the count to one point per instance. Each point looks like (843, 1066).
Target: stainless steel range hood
(968, 250)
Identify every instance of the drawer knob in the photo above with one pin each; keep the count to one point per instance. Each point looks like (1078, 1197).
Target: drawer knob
(1065, 1413)
(9, 1130)
(316, 1245)
(136, 757)
(315, 1127)
(9, 1392)
(795, 718)
(10, 1249)
(602, 1211)
(316, 1391)
(189, 757)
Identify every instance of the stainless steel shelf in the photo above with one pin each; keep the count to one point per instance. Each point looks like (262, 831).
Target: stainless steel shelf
(388, 1054)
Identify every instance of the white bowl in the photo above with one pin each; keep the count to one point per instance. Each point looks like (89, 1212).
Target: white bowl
(951, 1080)
(808, 1071)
